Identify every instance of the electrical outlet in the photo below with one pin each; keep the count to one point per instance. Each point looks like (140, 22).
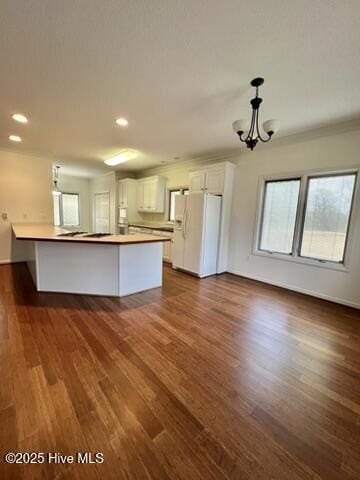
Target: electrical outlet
(4, 216)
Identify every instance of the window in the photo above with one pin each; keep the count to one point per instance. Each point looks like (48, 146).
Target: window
(307, 218)
(279, 215)
(327, 215)
(67, 210)
(173, 193)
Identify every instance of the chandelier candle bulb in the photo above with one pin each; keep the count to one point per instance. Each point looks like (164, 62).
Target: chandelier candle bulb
(241, 126)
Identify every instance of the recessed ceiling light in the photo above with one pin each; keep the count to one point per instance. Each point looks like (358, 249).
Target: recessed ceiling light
(122, 157)
(19, 117)
(15, 138)
(122, 122)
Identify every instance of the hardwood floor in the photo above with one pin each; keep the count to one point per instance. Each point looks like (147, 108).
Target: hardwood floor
(220, 378)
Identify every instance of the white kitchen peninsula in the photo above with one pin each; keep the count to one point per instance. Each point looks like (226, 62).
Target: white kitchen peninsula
(113, 265)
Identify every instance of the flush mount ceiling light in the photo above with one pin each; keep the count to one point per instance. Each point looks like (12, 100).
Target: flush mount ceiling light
(254, 135)
(15, 138)
(122, 122)
(122, 157)
(19, 117)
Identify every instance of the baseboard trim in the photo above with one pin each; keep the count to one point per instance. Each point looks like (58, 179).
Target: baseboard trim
(312, 293)
(9, 260)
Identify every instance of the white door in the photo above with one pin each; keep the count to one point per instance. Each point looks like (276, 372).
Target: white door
(197, 181)
(215, 181)
(193, 232)
(102, 212)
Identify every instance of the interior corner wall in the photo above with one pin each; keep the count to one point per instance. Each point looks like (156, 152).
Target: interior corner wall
(333, 152)
(25, 196)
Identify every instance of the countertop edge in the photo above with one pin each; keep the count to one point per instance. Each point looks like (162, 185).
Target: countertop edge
(93, 242)
(149, 227)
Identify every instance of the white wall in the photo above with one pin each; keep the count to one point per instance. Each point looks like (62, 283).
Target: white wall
(332, 152)
(102, 184)
(25, 196)
(70, 184)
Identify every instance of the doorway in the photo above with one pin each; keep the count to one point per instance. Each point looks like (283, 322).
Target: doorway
(102, 212)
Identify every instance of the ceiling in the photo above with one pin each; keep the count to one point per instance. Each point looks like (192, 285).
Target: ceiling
(178, 70)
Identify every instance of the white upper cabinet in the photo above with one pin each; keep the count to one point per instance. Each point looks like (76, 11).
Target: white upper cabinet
(151, 194)
(210, 180)
(123, 198)
(140, 196)
(197, 181)
(127, 187)
(215, 181)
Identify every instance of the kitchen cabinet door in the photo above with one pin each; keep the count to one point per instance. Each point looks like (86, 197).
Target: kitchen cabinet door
(215, 181)
(147, 186)
(152, 194)
(123, 194)
(197, 181)
(140, 196)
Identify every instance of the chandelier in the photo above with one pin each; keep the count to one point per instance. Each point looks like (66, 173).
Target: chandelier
(254, 135)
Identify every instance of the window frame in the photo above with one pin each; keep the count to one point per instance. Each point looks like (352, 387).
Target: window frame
(295, 256)
(266, 182)
(61, 213)
(302, 226)
(175, 189)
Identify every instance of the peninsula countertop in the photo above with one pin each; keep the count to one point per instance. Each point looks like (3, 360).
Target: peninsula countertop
(49, 233)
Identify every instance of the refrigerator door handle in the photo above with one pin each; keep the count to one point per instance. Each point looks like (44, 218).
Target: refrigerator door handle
(186, 223)
(183, 225)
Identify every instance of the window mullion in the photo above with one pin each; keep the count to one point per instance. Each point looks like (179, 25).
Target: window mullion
(300, 216)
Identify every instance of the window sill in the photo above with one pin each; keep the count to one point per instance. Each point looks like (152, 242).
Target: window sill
(339, 267)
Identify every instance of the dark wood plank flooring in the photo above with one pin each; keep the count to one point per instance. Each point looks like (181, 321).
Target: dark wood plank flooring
(221, 378)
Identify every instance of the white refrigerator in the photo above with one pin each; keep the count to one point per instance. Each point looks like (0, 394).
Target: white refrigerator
(196, 233)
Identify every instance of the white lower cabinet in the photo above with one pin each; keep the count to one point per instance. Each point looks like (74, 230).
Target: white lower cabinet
(166, 245)
(158, 233)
